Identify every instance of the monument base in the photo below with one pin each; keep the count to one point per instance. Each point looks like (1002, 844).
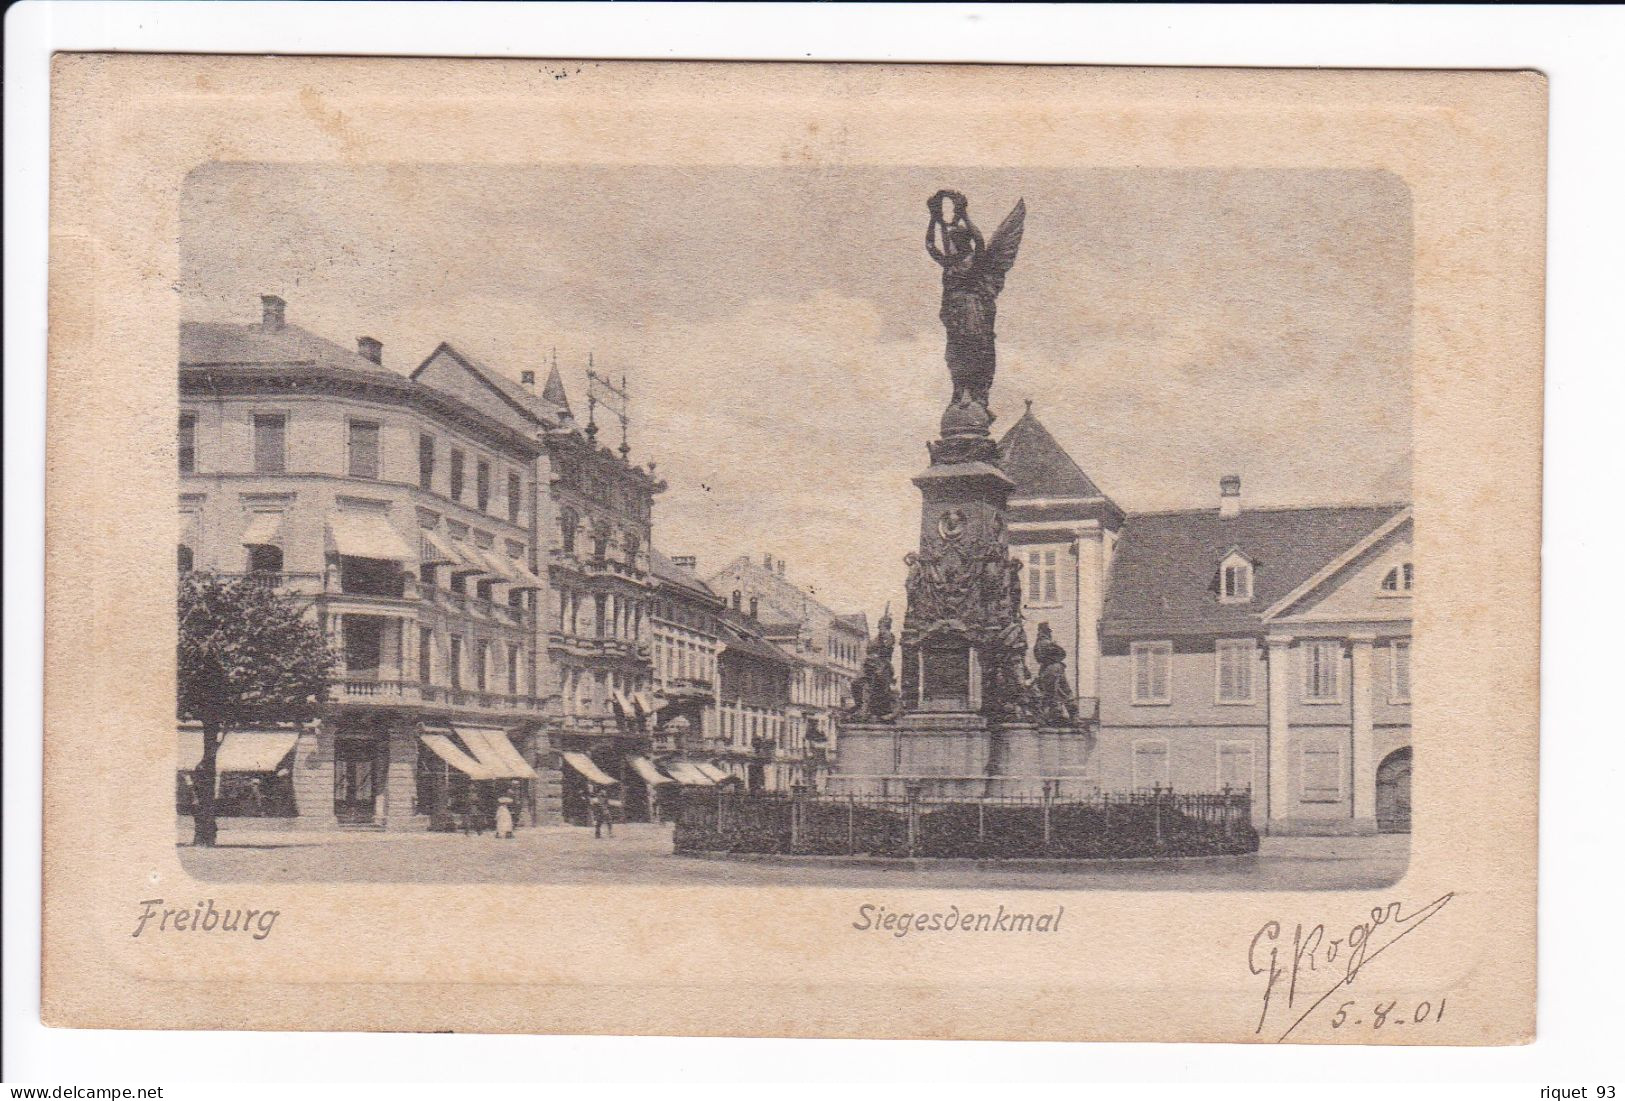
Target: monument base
(934, 756)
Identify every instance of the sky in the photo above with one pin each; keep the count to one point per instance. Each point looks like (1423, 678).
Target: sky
(778, 326)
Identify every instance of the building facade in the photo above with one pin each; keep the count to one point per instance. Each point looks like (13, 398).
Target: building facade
(406, 519)
(827, 648)
(685, 618)
(594, 512)
(1264, 649)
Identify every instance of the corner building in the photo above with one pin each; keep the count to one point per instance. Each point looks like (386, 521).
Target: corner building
(406, 519)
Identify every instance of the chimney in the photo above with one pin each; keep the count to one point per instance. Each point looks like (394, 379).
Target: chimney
(273, 312)
(528, 378)
(1230, 496)
(767, 562)
(370, 349)
(781, 567)
(685, 561)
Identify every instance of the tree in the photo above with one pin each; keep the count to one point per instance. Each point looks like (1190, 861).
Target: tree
(246, 655)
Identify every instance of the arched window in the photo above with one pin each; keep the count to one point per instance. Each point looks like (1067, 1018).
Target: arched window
(567, 530)
(1398, 579)
(737, 598)
(183, 555)
(632, 544)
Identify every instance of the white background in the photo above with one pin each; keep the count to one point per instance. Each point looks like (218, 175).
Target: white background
(1581, 899)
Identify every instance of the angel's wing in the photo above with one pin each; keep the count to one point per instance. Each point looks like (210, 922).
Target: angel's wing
(1006, 241)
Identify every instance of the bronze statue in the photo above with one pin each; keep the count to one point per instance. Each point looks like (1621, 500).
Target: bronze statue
(972, 276)
(1056, 707)
(874, 694)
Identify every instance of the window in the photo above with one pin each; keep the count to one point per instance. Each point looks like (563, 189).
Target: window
(1236, 581)
(632, 544)
(1398, 579)
(567, 530)
(425, 462)
(187, 446)
(363, 449)
(482, 663)
(270, 443)
(456, 661)
(426, 657)
(183, 558)
(482, 484)
(456, 475)
(1150, 765)
(1236, 766)
(1322, 774)
(1234, 657)
(1041, 577)
(1322, 662)
(264, 559)
(600, 605)
(1151, 667)
(1399, 671)
(513, 497)
(513, 670)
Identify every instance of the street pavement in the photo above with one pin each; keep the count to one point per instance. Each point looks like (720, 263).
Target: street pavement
(642, 854)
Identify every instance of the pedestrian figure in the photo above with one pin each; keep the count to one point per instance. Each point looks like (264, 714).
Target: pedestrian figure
(602, 824)
(504, 817)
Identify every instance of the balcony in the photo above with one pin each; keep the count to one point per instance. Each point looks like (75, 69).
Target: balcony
(327, 588)
(370, 691)
(590, 646)
(590, 565)
(688, 688)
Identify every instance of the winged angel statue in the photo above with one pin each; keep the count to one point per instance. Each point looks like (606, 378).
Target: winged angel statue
(972, 276)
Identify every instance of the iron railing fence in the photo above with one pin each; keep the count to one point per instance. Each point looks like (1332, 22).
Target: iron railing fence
(1138, 824)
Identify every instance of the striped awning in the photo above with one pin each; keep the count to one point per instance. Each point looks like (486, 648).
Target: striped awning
(585, 765)
(496, 752)
(264, 529)
(684, 772)
(242, 750)
(447, 750)
(646, 769)
(367, 535)
(717, 775)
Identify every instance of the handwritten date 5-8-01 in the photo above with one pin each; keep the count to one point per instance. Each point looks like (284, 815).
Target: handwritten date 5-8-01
(1352, 1014)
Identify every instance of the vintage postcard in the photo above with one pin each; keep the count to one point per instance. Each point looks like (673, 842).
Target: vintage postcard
(818, 550)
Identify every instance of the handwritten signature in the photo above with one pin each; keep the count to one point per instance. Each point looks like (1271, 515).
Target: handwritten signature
(1289, 965)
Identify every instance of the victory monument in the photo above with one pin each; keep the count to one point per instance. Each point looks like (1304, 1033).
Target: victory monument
(970, 717)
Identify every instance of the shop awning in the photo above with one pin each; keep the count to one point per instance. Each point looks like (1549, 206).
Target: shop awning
(645, 704)
(523, 578)
(264, 530)
(367, 535)
(467, 559)
(447, 750)
(242, 751)
(190, 750)
(584, 765)
(433, 550)
(646, 769)
(624, 704)
(255, 750)
(496, 752)
(716, 774)
(684, 772)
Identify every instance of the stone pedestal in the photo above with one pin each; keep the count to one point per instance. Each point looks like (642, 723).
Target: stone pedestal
(953, 744)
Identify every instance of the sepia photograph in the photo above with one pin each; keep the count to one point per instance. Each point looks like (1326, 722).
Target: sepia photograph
(1108, 479)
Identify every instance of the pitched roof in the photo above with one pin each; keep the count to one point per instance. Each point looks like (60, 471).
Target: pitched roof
(524, 397)
(742, 638)
(1039, 466)
(664, 569)
(227, 344)
(856, 621)
(553, 392)
(1163, 573)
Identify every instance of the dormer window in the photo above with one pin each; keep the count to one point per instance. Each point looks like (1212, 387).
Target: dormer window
(1235, 579)
(1398, 579)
